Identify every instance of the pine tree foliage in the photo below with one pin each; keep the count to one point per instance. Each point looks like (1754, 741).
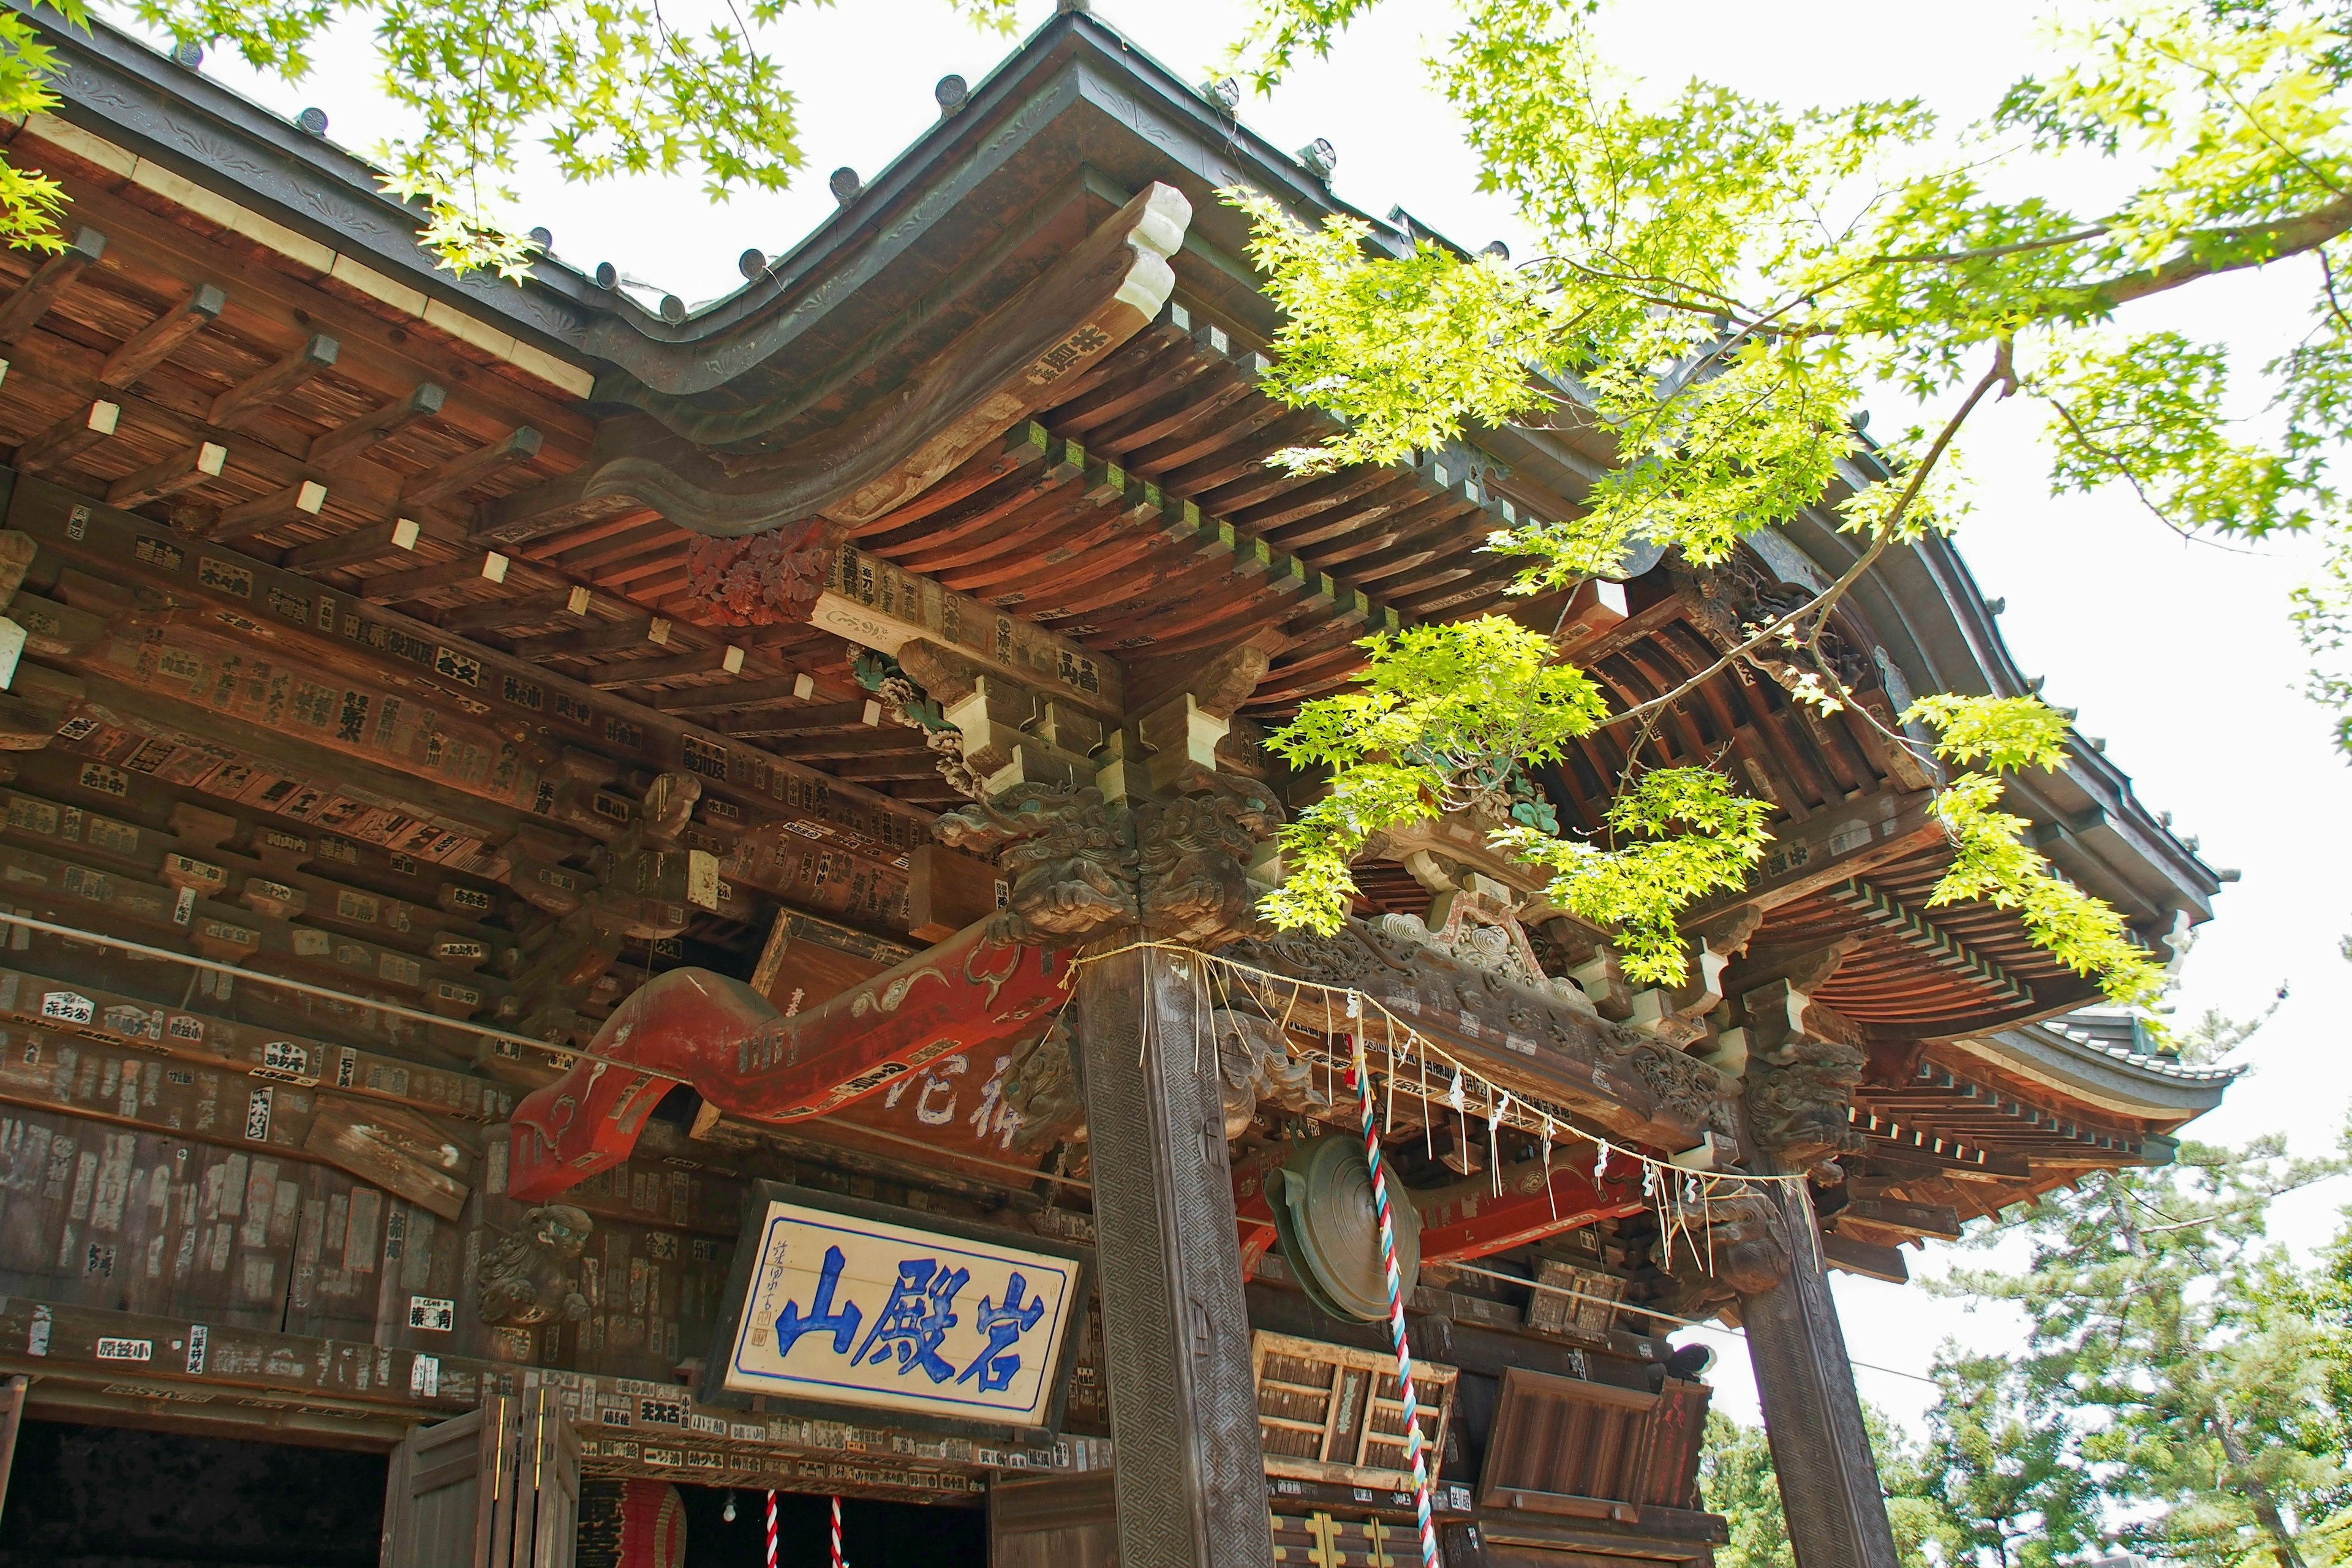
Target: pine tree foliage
(2175, 1351)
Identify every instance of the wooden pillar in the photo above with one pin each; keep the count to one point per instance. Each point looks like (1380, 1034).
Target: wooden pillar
(1190, 1475)
(1829, 1492)
(12, 1412)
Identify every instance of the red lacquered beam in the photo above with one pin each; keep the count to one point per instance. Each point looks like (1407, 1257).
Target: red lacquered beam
(1467, 1220)
(692, 1026)
(1252, 1211)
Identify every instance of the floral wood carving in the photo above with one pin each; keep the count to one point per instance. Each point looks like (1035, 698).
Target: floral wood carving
(1255, 1065)
(1416, 979)
(1069, 856)
(762, 579)
(527, 1279)
(1191, 852)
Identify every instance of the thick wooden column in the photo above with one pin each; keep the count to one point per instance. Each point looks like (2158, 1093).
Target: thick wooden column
(1176, 1340)
(1829, 1491)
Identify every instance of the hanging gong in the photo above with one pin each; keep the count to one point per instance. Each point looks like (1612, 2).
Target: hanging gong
(1329, 1232)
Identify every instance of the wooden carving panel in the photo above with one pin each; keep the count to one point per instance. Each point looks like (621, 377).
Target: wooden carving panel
(1329, 1413)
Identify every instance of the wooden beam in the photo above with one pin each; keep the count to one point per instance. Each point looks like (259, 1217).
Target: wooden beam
(1941, 1221)
(69, 438)
(724, 660)
(1850, 1256)
(301, 499)
(29, 304)
(736, 694)
(1830, 1489)
(184, 470)
(521, 611)
(153, 343)
(754, 1064)
(789, 721)
(1175, 1324)
(603, 637)
(902, 765)
(256, 392)
(862, 743)
(372, 543)
(331, 448)
(1842, 839)
(518, 446)
(391, 587)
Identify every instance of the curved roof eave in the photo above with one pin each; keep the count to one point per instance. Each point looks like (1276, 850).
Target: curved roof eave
(2126, 1082)
(112, 84)
(1940, 635)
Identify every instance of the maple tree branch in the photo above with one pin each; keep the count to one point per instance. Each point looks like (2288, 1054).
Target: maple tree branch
(2002, 375)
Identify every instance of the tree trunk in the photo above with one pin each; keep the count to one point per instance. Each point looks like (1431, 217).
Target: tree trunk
(2243, 1479)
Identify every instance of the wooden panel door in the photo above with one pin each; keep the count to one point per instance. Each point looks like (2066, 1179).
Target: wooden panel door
(432, 1495)
(1058, 1522)
(547, 1475)
(496, 1487)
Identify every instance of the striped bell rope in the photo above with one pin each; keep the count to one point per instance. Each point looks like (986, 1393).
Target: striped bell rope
(1359, 1079)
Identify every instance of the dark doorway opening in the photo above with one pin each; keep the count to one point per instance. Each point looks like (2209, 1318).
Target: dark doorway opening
(118, 1497)
(874, 1535)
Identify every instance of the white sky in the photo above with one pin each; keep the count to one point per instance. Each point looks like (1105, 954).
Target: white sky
(2180, 655)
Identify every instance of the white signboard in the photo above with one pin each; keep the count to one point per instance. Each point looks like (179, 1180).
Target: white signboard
(860, 1311)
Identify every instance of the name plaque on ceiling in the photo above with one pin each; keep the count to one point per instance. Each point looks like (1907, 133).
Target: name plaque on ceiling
(850, 1308)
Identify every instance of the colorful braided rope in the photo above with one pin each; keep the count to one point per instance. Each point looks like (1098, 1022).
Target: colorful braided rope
(1360, 1079)
(771, 1530)
(838, 1561)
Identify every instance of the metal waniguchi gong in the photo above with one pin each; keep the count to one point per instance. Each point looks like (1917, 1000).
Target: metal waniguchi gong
(1323, 1216)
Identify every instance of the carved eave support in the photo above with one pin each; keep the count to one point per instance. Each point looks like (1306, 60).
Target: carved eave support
(1006, 368)
(1540, 1045)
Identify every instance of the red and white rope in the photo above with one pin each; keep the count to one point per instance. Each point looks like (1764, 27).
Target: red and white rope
(1360, 1077)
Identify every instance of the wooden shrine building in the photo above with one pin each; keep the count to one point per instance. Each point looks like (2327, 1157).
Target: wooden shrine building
(610, 908)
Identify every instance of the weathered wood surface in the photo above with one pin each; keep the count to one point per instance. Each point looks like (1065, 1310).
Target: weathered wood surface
(327, 640)
(1830, 1489)
(1538, 1046)
(12, 1412)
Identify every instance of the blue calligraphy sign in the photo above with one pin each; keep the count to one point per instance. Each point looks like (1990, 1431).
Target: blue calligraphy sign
(818, 1277)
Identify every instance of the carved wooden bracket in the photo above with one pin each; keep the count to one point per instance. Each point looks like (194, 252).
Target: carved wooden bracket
(1085, 867)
